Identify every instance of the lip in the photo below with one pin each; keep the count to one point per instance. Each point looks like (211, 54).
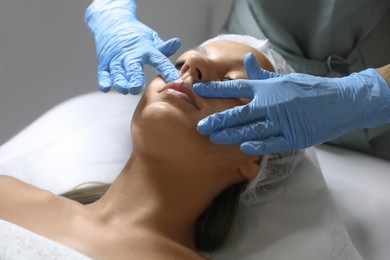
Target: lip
(181, 88)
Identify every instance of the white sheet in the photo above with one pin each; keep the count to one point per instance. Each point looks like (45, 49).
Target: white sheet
(87, 139)
(301, 223)
(17, 243)
(359, 185)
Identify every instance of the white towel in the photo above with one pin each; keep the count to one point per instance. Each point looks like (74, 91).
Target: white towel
(18, 243)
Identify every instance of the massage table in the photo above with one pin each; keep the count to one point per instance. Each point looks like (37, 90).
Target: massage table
(336, 204)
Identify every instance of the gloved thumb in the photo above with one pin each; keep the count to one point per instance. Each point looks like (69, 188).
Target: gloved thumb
(224, 89)
(254, 71)
(168, 48)
(266, 146)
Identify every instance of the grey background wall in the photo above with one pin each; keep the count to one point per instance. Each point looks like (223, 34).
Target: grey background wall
(47, 54)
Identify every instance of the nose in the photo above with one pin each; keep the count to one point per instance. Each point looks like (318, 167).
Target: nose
(195, 68)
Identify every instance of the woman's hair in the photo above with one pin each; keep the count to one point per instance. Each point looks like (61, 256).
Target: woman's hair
(214, 225)
(87, 193)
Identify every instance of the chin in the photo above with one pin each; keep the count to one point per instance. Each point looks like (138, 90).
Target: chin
(160, 128)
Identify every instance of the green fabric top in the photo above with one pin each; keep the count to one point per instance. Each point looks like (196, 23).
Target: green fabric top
(353, 34)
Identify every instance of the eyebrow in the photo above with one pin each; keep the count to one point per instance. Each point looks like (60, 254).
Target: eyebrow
(201, 50)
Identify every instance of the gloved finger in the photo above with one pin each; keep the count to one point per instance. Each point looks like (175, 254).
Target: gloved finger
(252, 67)
(229, 118)
(163, 66)
(120, 83)
(136, 85)
(118, 77)
(254, 71)
(134, 76)
(224, 89)
(240, 134)
(267, 146)
(168, 48)
(104, 81)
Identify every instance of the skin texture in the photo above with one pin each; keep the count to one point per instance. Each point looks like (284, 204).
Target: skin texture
(173, 174)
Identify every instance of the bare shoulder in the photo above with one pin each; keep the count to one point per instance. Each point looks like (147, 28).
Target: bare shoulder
(10, 185)
(6, 180)
(15, 193)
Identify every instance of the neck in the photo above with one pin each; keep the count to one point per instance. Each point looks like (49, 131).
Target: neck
(161, 197)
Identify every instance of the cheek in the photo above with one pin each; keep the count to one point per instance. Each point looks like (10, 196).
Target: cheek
(221, 104)
(162, 128)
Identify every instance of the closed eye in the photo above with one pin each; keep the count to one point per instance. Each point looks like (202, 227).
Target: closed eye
(179, 65)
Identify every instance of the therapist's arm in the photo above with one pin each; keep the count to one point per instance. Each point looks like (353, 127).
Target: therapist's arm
(385, 73)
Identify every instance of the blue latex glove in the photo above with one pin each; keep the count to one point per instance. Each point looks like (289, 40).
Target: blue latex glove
(124, 45)
(293, 111)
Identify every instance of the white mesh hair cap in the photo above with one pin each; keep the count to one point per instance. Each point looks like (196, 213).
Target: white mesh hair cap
(278, 62)
(274, 169)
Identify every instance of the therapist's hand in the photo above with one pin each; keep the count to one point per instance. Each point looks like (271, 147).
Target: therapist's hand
(293, 111)
(124, 45)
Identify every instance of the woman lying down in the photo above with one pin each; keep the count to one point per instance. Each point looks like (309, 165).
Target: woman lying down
(178, 194)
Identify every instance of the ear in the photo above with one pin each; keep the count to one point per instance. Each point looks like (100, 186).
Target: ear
(250, 168)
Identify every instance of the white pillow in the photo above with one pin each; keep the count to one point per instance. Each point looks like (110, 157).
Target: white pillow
(86, 138)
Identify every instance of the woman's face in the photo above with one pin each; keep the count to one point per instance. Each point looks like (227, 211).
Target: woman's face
(165, 120)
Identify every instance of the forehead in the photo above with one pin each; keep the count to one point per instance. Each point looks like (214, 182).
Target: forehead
(224, 47)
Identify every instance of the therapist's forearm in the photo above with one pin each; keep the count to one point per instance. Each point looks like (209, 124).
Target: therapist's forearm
(385, 73)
